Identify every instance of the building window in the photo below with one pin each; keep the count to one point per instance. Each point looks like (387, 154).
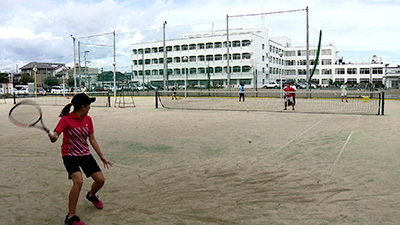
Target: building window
(169, 48)
(230, 57)
(154, 72)
(236, 69)
(148, 72)
(351, 70)
(377, 71)
(147, 50)
(301, 52)
(140, 62)
(302, 62)
(326, 71)
(200, 46)
(218, 57)
(135, 62)
(161, 60)
(262, 46)
(290, 53)
(236, 56)
(326, 62)
(177, 48)
(339, 70)
(200, 58)
(230, 44)
(364, 70)
(236, 43)
(209, 45)
(218, 69)
(177, 59)
(246, 56)
(302, 72)
(209, 57)
(160, 49)
(192, 47)
(147, 61)
(193, 70)
(247, 43)
(218, 45)
(291, 62)
(202, 70)
(169, 60)
(135, 51)
(246, 69)
(177, 71)
(184, 47)
(161, 72)
(263, 58)
(192, 59)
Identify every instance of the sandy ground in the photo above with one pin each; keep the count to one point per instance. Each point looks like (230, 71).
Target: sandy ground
(212, 167)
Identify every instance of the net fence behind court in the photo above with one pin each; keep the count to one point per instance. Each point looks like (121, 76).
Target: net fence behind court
(317, 101)
(102, 99)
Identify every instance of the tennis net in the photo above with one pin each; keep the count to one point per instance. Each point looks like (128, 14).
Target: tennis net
(317, 101)
(102, 98)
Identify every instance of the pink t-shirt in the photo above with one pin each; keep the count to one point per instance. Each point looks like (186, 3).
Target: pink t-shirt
(76, 131)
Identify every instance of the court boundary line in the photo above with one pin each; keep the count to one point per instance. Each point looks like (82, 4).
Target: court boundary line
(343, 148)
(301, 134)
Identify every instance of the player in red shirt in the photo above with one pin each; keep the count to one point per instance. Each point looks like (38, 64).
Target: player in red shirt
(77, 127)
(288, 91)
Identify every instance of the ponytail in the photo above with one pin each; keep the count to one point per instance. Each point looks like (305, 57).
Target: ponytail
(65, 110)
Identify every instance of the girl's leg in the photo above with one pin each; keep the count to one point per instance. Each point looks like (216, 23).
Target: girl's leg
(98, 183)
(74, 193)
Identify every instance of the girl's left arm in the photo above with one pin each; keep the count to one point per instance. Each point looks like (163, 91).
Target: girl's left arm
(96, 147)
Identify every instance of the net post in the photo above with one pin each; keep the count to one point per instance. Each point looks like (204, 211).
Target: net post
(108, 99)
(383, 103)
(156, 99)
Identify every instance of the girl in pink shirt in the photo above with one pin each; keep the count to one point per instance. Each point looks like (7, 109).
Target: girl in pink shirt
(77, 127)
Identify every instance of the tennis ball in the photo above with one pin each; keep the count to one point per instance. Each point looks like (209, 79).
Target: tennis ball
(250, 140)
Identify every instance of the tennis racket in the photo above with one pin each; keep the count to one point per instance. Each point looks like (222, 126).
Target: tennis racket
(28, 114)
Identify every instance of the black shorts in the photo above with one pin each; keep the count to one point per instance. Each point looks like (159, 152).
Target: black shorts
(86, 162)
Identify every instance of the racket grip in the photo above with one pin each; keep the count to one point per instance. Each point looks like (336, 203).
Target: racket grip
(51, 132)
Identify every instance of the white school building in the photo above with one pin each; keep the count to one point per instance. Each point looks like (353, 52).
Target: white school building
(200, 58)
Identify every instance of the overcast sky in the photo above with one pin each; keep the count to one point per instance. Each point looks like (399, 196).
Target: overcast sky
(40, 30)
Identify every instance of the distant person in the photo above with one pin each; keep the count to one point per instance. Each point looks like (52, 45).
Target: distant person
(84, 89)
(174, 93)
(72, 91)
(292, 85)
(241, 93)
(288, 95)
(344, 90)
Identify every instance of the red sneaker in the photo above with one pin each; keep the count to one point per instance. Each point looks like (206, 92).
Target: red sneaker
(73, 220)
(96, 202)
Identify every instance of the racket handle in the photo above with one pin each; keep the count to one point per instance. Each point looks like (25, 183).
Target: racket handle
(51, 132)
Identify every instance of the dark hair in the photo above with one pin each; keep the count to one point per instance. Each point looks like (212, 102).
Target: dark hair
(78, 101)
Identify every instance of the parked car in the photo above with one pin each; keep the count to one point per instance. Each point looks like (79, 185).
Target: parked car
(58, 90)
(21, 90)
(271, 85)
(304, 86)
(41, 91)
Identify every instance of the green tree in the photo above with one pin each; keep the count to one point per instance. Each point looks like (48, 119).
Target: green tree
(3, 78)
(25, 79)
(51, 81)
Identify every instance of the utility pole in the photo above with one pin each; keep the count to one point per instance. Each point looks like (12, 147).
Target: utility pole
(165, 59)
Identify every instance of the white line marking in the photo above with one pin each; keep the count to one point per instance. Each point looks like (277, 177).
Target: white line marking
(297, 136)
(341, 151)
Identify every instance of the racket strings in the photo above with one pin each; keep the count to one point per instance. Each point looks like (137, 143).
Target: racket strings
(26, 115)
